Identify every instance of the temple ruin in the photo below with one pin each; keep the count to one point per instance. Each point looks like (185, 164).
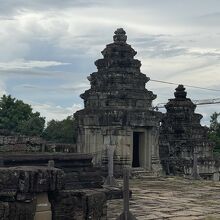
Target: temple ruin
(41, 180)
(182, 136)
(118, 110)
(56, 186)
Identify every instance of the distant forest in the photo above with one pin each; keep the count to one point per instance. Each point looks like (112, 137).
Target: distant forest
(214, 131)
(17, 116)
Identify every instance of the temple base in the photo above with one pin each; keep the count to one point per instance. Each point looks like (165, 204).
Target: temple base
(111, 181)
(129, 216)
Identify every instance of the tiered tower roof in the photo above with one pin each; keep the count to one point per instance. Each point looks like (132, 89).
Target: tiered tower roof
(118, 83)
(182, 106)
(181, 122)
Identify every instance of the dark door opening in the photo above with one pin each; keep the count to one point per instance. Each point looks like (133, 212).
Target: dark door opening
(136, 143)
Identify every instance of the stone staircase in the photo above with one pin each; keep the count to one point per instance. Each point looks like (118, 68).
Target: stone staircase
(141, 173)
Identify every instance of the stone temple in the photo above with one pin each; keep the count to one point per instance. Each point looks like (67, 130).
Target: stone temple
(182, 136)
(118, 110)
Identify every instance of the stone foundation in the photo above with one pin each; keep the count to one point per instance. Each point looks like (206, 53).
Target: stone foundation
(38, 192)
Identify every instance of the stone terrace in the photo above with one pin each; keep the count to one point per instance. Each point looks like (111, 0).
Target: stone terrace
(171, 198)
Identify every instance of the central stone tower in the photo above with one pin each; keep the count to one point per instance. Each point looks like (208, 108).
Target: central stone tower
(118, 110)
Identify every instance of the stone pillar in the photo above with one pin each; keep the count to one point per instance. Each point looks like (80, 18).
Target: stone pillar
(126, 214)
(51, 163)
(156, 165)
(195, 173)
(110, 180)
(148, 150)
(216, 176)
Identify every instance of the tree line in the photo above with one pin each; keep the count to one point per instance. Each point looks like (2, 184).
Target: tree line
(17, 116)
(214, 131)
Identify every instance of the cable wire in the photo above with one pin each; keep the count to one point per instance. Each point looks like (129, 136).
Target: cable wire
(191, 86)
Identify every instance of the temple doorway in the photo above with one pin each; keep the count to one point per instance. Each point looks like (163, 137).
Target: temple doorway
(137, 148)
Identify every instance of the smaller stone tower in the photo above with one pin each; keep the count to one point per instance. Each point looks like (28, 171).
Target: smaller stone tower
(118, 110)
(181, 135)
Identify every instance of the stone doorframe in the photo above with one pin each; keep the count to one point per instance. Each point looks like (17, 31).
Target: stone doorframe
(145, 147)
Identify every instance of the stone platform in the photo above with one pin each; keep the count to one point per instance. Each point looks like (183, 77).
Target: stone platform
(72, 189)
(171, 198)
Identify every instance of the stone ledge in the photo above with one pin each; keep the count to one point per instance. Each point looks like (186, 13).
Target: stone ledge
(31, 179)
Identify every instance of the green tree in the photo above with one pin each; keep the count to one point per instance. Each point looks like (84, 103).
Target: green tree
(61, 131)
(214, 131)
(17, 116)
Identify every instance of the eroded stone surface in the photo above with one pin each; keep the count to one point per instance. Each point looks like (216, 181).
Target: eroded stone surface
(182, 137)
(31, 179)
(171, 198)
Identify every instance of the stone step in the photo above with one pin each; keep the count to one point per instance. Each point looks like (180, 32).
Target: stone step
(138, 172)
(150, 178)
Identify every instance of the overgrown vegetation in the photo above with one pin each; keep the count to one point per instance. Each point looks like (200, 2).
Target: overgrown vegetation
(214, 131)
(61, 131)
(17, 116)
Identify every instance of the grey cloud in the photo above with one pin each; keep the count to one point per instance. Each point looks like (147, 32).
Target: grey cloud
(167, 51)
(206, 54)
(190, 69)
(6, 18)
(72, 79)
(52, 111)
(211, 19)
(33, 72)
(81, 86)
(10, 7)
(28, 64)
(162, 46)
(51, 38)
(155, 46)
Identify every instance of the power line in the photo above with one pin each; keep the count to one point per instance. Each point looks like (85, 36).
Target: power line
(191, 86)
(196, 102)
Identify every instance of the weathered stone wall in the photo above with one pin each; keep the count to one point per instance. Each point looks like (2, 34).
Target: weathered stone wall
(17, 210)
(14, 142)
(88, 204)
(20, 143)
(59, 147)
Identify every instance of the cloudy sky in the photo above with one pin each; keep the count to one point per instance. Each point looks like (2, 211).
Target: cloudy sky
(48, 48)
